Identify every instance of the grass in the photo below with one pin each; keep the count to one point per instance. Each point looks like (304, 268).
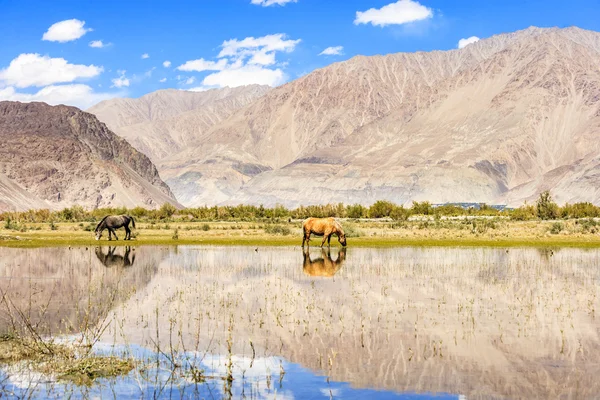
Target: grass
(363, 233)
(62, 361)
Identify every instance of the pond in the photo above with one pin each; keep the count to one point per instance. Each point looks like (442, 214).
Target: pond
(232, 322)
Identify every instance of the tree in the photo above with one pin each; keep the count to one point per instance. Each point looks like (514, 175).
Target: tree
(546, 207)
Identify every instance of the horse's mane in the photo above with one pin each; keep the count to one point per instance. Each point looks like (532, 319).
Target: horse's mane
(100, 223)
(338, 226)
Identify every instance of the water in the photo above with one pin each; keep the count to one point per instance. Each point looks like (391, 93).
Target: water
(380, 323)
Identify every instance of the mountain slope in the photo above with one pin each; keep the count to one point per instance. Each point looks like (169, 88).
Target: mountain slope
(53, 157)
(497, 121)
(165, 122)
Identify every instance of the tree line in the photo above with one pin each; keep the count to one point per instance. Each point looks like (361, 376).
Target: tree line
(543, 209)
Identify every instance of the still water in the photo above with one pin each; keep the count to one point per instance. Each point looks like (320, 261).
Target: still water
(358, 323)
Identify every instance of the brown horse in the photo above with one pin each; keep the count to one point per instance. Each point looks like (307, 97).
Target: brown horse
(324, 266)
(323, 227)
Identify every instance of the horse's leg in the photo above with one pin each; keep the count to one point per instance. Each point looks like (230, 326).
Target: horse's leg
(109, 234)
(329, 241)
(127, 233)
(115, 233)
(324, 239)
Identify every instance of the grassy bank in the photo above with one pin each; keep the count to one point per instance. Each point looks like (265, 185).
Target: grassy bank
(361, 233)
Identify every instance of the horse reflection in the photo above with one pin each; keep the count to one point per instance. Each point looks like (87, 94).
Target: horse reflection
(324, 266)
(111, 259)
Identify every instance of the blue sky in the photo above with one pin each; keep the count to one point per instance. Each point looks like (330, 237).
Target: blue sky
(233, 42)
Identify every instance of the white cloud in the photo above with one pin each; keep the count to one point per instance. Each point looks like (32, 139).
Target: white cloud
(203, 65)
(36, 70)
(121, 81)
(244, 62)
(333, 51)
(249, 45)
(246, 75)
(189, 81)
(98, 44)
(163, 80)
(77, 95)
(167, 64)
(145, 55)
(66, 31)
(465, 42)
(267, 3)
(400, 12)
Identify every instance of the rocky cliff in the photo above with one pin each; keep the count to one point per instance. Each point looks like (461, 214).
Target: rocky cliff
(54, 157)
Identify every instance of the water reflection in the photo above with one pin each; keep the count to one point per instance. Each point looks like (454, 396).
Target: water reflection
(324, 266)
(481, 322)
(110, 259)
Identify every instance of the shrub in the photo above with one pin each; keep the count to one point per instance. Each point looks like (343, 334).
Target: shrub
(557, 228)
(277, 230)
(381, 209)
(524, 213)
(205, 227)
(422, 208)
(356, 211)
(546, 208)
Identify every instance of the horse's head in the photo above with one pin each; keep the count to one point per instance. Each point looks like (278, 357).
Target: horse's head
(98, 234)
(342, 239)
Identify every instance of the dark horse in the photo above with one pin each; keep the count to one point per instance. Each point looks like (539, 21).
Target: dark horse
(322, 227)
(111, 259)
(112, 222)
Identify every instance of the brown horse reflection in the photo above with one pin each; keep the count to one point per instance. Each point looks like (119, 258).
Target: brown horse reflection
(324, 266)
(111, 259)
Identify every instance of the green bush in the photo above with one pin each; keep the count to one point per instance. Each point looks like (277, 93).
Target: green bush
(205, 227)
(277, 230)
(546, 208)
(557, 228)
(381, 209)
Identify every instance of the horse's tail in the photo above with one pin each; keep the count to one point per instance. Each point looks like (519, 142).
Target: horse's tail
(100, 223)
(132, 220)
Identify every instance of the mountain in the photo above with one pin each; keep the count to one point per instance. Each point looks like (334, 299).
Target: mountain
(54, 157)
(497, 121)
(165, 122)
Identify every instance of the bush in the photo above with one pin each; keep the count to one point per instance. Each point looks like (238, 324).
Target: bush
(524, 213)
(166, 211)
(356, 211)
(546, 208)
(381, 209)
(205, 227)
(399, 213)
(557, 228)
(277, 230)
(175, 234)
(422, 208)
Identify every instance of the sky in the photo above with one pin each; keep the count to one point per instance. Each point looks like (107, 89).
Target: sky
(81, 52)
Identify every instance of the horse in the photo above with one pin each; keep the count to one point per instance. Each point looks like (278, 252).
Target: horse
(324, 266)
(112, 222)
(111, 259)
(323, 227)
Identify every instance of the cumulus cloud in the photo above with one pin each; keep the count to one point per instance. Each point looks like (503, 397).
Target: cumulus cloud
(145, 55)
(244, 62)
(250, 45)
(167, 64)
(267, 3)
(66, 31)
(98, 44)
(120, 81)
(163, 80)
(201, 64)
(465, 42)
(78, 95)
(333, 51)
(401, 12)
(36, 70)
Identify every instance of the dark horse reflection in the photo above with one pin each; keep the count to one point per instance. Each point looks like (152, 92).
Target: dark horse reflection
(324, 266)
(111, 259)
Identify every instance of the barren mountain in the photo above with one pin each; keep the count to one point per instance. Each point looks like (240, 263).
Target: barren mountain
(497, 121)
(165, 122)
(53, 157)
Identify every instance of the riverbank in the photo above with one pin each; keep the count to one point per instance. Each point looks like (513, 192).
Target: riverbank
(496, 232)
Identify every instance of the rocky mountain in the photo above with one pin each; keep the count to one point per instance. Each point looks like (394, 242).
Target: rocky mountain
(165, 122)
(54, 157)
(497, 121)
